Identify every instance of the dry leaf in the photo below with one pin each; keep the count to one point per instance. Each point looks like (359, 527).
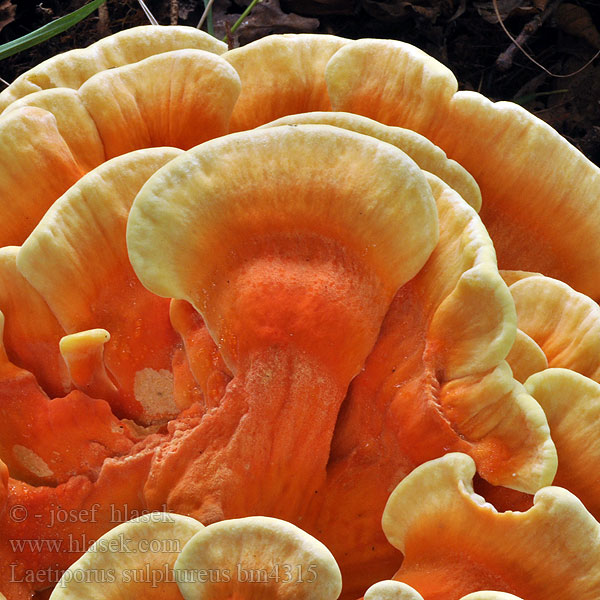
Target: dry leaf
(540, 4)
(321, 7)
(396, 10)
(387, 11)
(506, 8)
(7, 13)
(576, 20)
(265, 19)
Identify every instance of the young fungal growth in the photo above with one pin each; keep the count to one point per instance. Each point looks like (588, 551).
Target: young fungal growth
(86, 223)
(133, 560)
(32, 371)
(291, 242)
(454, 543)
(256, 557)
(83, 353)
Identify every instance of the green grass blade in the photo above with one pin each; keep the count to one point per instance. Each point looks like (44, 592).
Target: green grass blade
(209, 19)
(49, 30)
(242, 17)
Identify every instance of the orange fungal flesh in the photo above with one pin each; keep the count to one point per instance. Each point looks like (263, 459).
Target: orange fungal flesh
(314, 272)
(281, 75)
(511, 154)
(31, 331)
(179, 99)
(294, 302)
(87, 222)
(405, 407)
(70, 516)
(210, 373)
(548, 552)
(72, 69)
(293, 339)
(84, 431)
(30, 144)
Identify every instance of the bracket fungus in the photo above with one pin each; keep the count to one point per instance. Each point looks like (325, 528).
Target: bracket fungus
(132, 560)
(65, 132)
(572, 406)
(293, 81)
(304, 262)
(72, 69)
(30, 144)
(257, 557)
(89, 219)
(560, 328)
(428, 157)
(171, 556)
(300, 315)
(434, 382)
(455, 543)
(565, 324)
(397, 84)
(396, 590)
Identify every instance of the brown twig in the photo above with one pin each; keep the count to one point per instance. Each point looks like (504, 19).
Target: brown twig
(229, 36)
(505, 60)
(103, 20)
(174, 15)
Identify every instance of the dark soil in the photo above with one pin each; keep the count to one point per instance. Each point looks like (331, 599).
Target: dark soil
(463, 35)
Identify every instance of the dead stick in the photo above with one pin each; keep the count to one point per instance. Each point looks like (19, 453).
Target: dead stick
(103, 20)
(505, 60)
(174, 12)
